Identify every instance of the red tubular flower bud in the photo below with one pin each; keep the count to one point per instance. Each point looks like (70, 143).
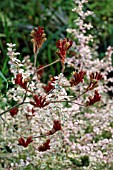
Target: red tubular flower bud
(24, 143)
(97, 76)
(63, 46)
(40, 72)
(56, 127)
(94, 99)
(13, 111)
(45, 146)
(19, 80)
(94, 78)
(49, 86)
(39, 101)
(38, 38)
(77, 78)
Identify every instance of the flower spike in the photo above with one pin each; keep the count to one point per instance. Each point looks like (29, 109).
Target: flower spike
(45, 146)
(13, 111)
(39, 37)
(93, 100)
(56, 127)
(94, 78)
(77, 78)
(63, 46)
(19, 80)
(24, 143)
(39, 101)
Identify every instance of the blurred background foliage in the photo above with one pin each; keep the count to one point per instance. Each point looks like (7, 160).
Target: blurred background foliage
(102, 22)
(18, 18)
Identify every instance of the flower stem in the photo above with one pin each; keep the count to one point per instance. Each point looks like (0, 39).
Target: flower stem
(47, 65)
(12, 108)
(57, 101)
(35, 58)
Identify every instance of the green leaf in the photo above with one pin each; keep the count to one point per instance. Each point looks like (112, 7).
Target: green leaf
(3, 77)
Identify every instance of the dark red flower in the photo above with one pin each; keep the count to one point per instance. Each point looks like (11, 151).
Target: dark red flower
(45, 146)
(29, 116)
(56, 127)
(40, 72)
(94, 99)
(24, 143)
(39, 101)
(97, 76)
(49, 86)
(94, 78)
(13, 111)
(38, 38)
(19, 80)
(63, 46)
(77, 78)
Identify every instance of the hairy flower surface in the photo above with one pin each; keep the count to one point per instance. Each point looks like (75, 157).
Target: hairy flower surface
(38, 38)
(77, 78)
(39, 101)
(94, 78)
(14, 111)
(19, 80)
(45, 146)
(63, 46)
(94, 99)
(56, 127)
(24, 143)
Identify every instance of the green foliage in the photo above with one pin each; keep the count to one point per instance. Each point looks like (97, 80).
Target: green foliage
(76, 162)
(102, 21)
(83, 161)
(4, 79)
(19, 18)
(89, 129)
(111, 124)
(106, 134)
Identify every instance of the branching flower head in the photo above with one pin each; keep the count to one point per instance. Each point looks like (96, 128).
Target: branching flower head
(38, 38)
(63, 46)
(94, 99)
(56, 127)
(20, 81)
(77, 78)
(45, 146)
(39, 101)
(94, 78)
(13, 111)
(24, 143)
(49, 86)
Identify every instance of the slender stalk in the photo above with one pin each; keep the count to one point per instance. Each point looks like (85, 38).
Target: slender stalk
(19, 104)
(37, 72)
(74, 98)
(59, 101)
(35, 58)
(47, 65)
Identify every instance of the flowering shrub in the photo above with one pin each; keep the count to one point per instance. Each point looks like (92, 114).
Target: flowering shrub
(53, 124)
